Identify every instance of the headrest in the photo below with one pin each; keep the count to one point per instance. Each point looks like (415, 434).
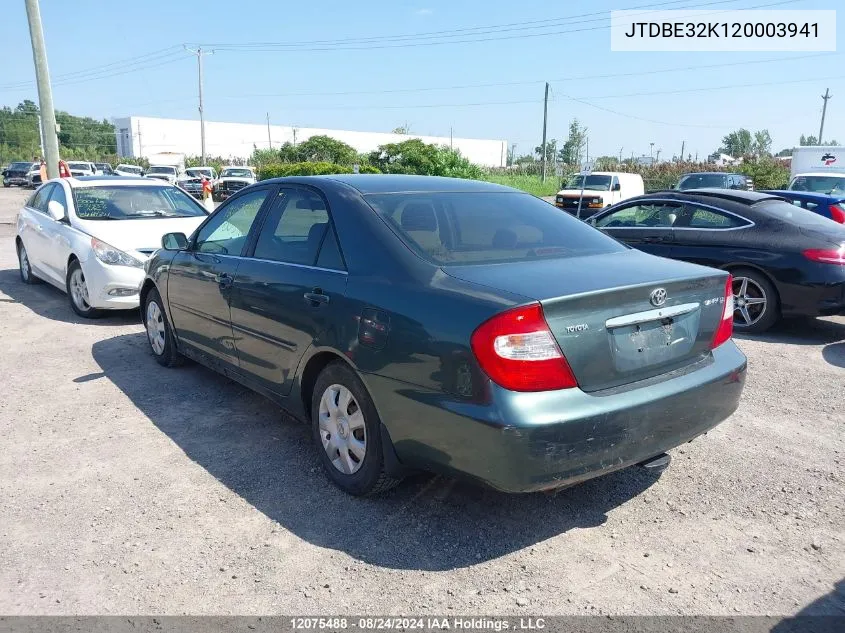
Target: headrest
(504, 238)
(418, 216)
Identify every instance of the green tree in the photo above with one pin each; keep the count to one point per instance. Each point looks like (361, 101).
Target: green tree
(416, 157)
(573, 147)
(762, 143)
(737, 143)
(813, 140)
(551, 150)
(326, 149)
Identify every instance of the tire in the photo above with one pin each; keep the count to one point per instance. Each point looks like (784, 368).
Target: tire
(77, 292)
(755, 286)
(356, 472)
(159, 334)
(24, 266)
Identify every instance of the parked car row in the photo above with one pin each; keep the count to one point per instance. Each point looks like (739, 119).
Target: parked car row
(414, 322)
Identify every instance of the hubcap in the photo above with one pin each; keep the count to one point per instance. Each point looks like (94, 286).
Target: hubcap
(78, 290)
(342, 429)
(155, 328)
(749, 301)
(24, 262)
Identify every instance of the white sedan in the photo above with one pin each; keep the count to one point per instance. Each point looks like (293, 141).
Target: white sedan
(91, 236)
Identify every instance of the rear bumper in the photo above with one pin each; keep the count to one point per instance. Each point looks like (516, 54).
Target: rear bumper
(524, 442)
(823, 295)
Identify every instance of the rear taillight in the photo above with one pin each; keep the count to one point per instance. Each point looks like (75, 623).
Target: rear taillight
(726, 325)
(827, 255)
(837, 213)
(517, 350)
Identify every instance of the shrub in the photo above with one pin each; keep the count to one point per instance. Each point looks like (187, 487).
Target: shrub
(278, 170)
(416, 157)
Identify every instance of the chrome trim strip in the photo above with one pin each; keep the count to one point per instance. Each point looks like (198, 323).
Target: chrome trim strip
(651, 315)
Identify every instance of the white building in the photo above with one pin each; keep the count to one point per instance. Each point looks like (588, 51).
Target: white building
(143, 136)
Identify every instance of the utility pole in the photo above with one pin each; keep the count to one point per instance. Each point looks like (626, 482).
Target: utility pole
(657, 160)
(513, 153)
(199, 53)
(825, 96)
(545, 120)
(41, 136)
(651, 151)
(620, 154)
(140, 143)
(45, 92)
(269, 139)
(450, 137)
(683, 144)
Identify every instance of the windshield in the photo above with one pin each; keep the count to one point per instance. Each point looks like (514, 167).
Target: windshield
(104, 166)
(129, 168)
(161, 170)
(592, 182)
(195, 172)
(19, 166)
(124, 203)
(702, 181)
(236, 173)
(79, 166)
(819, 184)
(475, 228)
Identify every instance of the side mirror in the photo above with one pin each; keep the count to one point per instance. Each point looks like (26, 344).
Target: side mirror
(174, 242)
(617, 186)
(56, 210)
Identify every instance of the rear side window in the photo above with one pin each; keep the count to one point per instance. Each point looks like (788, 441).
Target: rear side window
(700, 218)
(294, 229)
(469, 228)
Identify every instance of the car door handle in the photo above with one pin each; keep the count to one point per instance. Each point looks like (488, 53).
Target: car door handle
(657, 240)
(316, 297)
(225, 281)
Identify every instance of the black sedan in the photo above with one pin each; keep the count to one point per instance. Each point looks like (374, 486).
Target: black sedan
(450, 325)
(785, 261)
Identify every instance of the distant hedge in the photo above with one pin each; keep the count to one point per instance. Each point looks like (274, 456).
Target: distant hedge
(277, 170)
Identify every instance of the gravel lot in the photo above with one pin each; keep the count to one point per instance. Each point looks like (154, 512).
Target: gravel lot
(127, 488)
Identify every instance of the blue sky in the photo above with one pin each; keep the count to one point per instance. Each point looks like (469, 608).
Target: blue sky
(149, 75)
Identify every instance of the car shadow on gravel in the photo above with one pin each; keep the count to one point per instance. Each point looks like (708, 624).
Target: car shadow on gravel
(51, 303)
(428, 522)
(800, 331)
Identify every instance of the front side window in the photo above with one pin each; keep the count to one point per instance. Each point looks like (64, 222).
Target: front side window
(59, 196)
(227, 230)
(486, 227)
(643, 215)
(121, 202)
(294, 229)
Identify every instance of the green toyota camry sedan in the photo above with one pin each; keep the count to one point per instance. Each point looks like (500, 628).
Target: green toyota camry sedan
(455, 326)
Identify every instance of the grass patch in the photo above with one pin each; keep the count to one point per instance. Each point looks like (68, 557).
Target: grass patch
(526, 182)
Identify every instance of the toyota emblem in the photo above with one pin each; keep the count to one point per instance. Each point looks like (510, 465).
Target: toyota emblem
(658, 297)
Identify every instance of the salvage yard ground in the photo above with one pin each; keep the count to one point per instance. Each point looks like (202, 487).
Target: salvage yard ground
(127, 488)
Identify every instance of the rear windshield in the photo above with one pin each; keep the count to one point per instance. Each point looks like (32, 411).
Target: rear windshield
(475, 228)
(133, 203)
(161, 170)
(702, 181)
(819, 184)
(131, 168)
(793, 215)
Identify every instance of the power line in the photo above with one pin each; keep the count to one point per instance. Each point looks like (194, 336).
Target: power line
(309, 47)
(526, 82)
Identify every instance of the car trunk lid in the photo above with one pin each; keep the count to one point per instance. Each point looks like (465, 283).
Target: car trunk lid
(618, 318)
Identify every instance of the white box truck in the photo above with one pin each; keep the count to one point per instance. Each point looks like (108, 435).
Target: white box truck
(818, 169)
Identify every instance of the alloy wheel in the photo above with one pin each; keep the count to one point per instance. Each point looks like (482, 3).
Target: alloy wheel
(342, 429)
(155, 328)
(749, 301)
(79, 290)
